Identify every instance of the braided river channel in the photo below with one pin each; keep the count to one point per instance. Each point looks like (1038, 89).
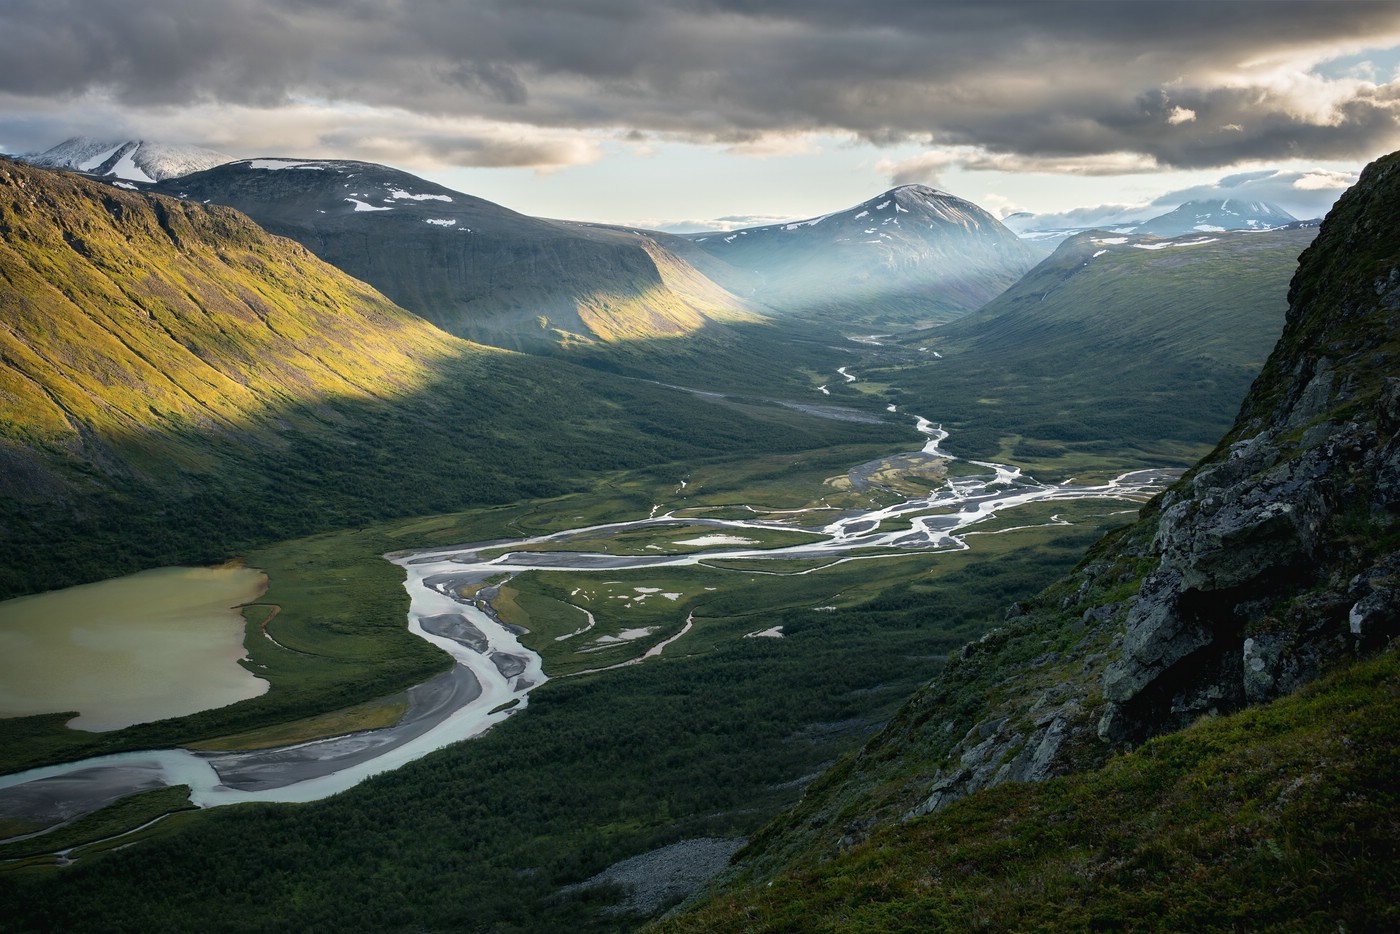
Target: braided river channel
(494, 673)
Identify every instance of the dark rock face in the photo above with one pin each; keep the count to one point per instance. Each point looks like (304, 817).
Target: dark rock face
(1277, 554)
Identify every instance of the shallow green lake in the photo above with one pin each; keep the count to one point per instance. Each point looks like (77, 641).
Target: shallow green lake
(158, 644)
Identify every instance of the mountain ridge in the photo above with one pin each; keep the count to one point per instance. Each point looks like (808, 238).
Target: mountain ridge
(474, 268)
(1175, 328)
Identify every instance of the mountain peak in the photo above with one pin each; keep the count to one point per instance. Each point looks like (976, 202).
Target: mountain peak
(917, 191)
(912, 254)
(1213, 215)
(135, 160)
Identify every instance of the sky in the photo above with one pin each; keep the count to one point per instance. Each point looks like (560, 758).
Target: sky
(702, 114)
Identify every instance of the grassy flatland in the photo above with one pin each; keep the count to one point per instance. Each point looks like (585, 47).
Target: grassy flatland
(119, 817)
(596, 769)
(634, 610)
(368, 716)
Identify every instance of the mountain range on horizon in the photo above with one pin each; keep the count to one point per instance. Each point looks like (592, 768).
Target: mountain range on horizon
(132, 160)
(145, 161)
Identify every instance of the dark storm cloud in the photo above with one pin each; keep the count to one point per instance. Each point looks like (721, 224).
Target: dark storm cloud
(1172, 81)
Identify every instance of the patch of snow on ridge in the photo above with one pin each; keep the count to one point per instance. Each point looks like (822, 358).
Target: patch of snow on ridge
(1163, 246)
(128, 169)
(399, 194)
(882, 205)
(1099, 253)
(362, 206)
(449, 222)
(88, 165)
(809, 223)
(275, 164)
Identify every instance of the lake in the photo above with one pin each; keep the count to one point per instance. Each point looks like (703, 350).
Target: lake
(157, 644)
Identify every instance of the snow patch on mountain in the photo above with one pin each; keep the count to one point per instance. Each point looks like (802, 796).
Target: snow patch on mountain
(132, 160)
(398, 195)
(275, 164)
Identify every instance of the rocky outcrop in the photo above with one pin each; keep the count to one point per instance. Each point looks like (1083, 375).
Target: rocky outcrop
(1277, 554)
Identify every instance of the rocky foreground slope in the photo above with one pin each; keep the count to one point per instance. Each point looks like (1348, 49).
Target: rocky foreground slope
(1274, 562)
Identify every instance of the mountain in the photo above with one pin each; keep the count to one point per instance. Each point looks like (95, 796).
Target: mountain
(912, 255)
(474, 268)
(132, 160)
(1201, 216)
(1207, 705)
(1178, 327)
(1216, 215)
(176, 384)
(1046, 231)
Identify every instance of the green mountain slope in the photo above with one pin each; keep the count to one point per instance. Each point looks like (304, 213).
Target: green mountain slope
(474, 268)
(1178, 327)
(176, 385)
(1273, 564)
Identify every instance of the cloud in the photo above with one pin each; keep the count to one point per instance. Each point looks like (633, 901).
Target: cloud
(928, 167)
(1058, 85)
(313, 130)
(1305, 194)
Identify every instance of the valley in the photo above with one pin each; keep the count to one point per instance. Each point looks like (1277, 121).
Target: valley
(663, 571)
(495, 671)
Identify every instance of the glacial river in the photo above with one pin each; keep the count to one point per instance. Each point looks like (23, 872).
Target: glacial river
(494, 671)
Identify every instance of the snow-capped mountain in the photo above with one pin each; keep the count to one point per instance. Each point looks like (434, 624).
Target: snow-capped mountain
(912, 254)
(132, 160)
(1200, 216)
(1215, 216)
(1047, 231)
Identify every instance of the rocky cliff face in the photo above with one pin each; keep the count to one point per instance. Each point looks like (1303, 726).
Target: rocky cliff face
(1277, 555)
(1274, 559)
